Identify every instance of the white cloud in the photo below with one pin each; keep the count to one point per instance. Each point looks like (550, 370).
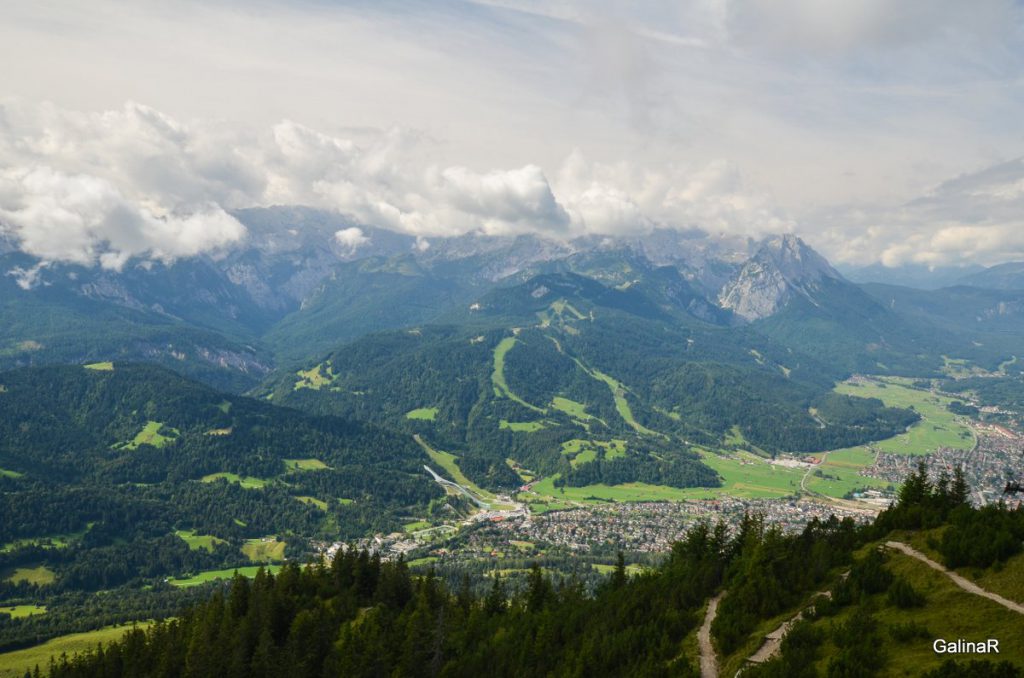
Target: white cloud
(506, 201)
(101, 188)
(977, 217)
(351, 238)
(86, 220)
(623, 199)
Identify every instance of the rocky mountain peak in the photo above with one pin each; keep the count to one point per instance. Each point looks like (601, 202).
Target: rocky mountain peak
(782, 267)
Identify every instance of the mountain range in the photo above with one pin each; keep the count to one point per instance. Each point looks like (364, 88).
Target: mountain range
(305, 281)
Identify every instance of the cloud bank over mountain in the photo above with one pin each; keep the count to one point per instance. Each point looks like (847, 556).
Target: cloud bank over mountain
(879, 133)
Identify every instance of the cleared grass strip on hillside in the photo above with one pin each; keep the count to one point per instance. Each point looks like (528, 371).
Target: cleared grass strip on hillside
(501, 388)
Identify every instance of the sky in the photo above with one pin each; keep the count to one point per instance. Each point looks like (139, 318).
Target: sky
(880, 132)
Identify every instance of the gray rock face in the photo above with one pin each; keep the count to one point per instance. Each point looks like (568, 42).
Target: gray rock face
(783, 267)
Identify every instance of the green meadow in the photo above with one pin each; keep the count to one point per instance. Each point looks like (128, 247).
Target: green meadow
(39, 575)
(198, 541)
(937, 428)
(100, 367)
(313, 501)
(264, 549)
(521, 426)
(213, 575)
(314, 378)
(247, 482)
(422, 414)
(501, 388)
(305, 465)
(551, 497)
(571, 407)
(21, 611)
(52, 541)
(949, 612)
(582, 451)
(449, 462)
(153, 433)
(746, 475)
(15, 664)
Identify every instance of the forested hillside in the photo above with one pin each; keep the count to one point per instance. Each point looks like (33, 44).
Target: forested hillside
(527, 370)
(358, 616)
(120, 474)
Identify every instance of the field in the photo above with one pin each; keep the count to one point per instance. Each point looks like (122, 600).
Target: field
(418, 525)
(547, 493)
(744, 475)
(213, 575)
(313, 501)
(583, 451)
(314, 378)
(264, 550)
(100, 367)
(937, 428)
(422, 413)
(305, 465)
(247, 482)
(20, 611)
(40, 576)
(54, 541)
(4, 473)
(839, 473)
(521, 426)
(14, 664)
(198, 541)
(498, 375)
(150, 435)
(571, 407)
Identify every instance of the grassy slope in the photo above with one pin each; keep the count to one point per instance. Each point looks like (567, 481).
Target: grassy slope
(14, 664)
(246, 482)
(305, 465)
(313, 501)
(264, 550)
(40, 576)
(22, 611)
(212, 575)
(198, 541)
(498, 375)
(449, 462)
(949, 613)
(422, 413)
(151, 435)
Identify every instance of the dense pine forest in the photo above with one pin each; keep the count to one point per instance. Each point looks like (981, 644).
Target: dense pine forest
(359, 616)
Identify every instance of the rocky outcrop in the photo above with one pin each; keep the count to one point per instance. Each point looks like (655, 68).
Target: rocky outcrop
(783, 267)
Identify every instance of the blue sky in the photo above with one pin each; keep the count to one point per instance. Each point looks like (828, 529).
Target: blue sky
(879, 131)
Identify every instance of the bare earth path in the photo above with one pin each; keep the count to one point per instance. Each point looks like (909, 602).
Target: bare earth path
(965, 584)
(708, 660)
